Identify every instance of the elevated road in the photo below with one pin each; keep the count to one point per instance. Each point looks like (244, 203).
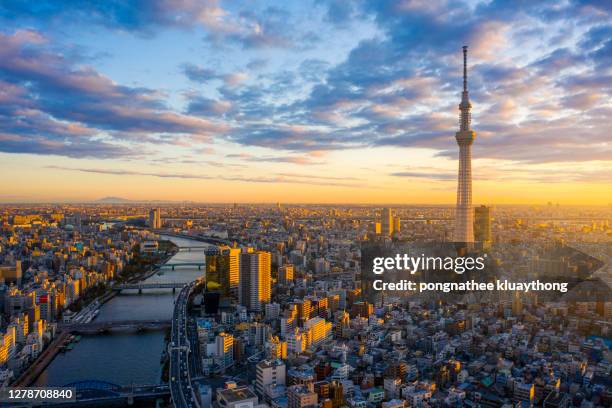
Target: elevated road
(181, 387)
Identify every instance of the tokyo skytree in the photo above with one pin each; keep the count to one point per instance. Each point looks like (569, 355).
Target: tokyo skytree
(464, 214)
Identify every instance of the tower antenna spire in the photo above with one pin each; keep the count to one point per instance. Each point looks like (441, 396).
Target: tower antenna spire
(465, 48)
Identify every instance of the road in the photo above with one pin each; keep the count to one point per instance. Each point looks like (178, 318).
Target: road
(181, 365)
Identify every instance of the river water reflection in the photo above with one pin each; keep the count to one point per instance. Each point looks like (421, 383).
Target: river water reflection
(128, 357)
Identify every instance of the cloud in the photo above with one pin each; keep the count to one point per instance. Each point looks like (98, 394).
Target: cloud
(239, 155)
(206, 107)
(54, 104)
(402, 88)
(313, 176)
(320, 181)
(285, 159)
(250, 28)
(11, 143)
(138, 15)
(428, 175)
(302, 160)
(202, 75)
(539, 81)
(198, 74)
(425, 172)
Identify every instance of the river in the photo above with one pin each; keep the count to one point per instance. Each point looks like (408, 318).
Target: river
(125, 358)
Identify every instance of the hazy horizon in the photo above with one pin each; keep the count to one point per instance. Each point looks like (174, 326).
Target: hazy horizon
(289, 203)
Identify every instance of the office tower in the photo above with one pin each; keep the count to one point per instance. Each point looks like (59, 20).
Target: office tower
(211, 303)
(297, 341)
(336, 393)
(482, 225)
(272, 311)
(285, 274)
(255, 280)
(397, 225)
(464, 217)
(276, 348)
(300, 396)
(387, 222)
(155, 218)
(377, 228)
(289, 321)
(343, 327)
(7, 345)
(304, 308)
(224, 343)
(319, 330)
(363, 309)
(258, 333)
(223, 268)
(517, 304)
(269, 372)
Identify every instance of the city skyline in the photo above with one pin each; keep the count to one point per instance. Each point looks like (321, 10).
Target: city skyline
(329, 102)
(281, 288)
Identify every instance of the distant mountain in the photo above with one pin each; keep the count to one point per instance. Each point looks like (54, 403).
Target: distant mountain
(121, 200)
(113, 200)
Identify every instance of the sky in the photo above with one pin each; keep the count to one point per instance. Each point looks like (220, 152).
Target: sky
(323, 101)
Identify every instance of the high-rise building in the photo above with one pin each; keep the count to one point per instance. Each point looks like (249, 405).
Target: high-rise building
(276, 348)
(285, 274)
(155, 218)
(464, 216)
(397, 225)
(297, 341)
(482, 225)
(517, 304)
(223, 270)
(255, 284)
(224, 343)
(377, 228)
(289, 321)
(319, 330)
(387, 222)
(7, 345)
(336, 394)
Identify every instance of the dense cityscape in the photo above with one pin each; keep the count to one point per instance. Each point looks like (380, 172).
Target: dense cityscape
(187, 287)
(276, 316)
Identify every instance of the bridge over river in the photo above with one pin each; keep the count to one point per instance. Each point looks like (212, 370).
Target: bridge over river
(115, 325)
(175, 265)
(94, 393)
(140, 286)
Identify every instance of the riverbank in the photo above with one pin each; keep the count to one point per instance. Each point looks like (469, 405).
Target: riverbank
(126, 357)
(44, 359)
(34, 370)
